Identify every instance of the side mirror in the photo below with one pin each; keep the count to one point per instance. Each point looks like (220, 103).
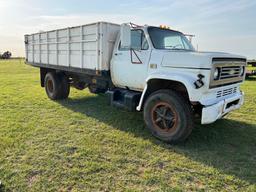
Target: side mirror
(125, 36)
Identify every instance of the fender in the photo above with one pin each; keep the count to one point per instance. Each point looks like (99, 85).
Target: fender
(187, 79)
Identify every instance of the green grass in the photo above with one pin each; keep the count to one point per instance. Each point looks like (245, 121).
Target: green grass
(82, 144)
(250, 68)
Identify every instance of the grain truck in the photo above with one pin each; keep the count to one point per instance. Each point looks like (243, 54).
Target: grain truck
(151, 69)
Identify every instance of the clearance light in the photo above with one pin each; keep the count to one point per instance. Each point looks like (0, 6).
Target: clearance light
(164, 27)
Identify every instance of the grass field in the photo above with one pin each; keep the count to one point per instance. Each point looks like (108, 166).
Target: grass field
(82, 144)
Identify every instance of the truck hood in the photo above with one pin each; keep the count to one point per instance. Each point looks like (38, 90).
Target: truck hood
(200, 60)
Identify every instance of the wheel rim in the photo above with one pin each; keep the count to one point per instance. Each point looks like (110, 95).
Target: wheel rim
(164, 117)
(50, 86)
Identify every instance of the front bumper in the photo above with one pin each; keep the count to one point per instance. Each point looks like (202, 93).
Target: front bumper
(214, 112)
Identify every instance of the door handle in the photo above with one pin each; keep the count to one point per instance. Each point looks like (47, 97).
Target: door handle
(116, 54)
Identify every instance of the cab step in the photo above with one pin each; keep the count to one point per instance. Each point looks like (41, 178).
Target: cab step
(123, 98)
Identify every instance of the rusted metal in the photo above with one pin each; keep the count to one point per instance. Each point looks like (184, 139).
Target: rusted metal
(164, 117)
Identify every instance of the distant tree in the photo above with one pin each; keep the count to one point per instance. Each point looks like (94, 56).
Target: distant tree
(6, 55)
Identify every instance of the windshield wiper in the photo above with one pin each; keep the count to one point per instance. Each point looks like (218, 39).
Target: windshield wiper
(173, 47)
(177, 49)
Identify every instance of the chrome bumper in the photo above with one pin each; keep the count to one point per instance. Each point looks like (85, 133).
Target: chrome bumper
(214, 112)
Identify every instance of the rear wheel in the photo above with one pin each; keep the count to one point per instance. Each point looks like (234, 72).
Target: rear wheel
(52, 86)
(56, 86)
(168, 116)
(65, 86)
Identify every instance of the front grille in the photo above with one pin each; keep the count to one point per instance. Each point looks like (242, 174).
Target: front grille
(225, 92)
(230, 70)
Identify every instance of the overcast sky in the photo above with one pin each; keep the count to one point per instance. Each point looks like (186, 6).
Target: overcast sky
(226, 25)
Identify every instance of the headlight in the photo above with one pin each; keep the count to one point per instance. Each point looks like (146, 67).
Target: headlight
(242, 71)
(216, 74)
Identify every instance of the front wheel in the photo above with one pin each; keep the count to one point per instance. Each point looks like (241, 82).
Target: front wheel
(168, 116)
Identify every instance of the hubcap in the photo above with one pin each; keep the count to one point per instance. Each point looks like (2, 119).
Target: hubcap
(164, 117)
(50, 86)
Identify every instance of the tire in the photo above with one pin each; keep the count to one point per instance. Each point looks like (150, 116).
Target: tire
(65, 86)
(168, 116)
(52, 86)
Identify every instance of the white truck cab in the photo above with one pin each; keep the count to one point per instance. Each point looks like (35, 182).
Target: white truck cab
(145, 68)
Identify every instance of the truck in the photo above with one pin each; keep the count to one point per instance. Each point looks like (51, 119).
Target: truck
(151, 69)
(251, 72)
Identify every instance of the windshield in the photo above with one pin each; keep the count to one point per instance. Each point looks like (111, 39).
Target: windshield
(168, 39)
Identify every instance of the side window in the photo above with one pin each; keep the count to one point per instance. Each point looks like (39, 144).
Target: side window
(138, 41)
(173, 42)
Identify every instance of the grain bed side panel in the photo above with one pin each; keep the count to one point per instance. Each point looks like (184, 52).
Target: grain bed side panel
(86, 47)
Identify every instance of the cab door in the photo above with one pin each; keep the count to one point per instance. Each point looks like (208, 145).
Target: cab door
(129, 67)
